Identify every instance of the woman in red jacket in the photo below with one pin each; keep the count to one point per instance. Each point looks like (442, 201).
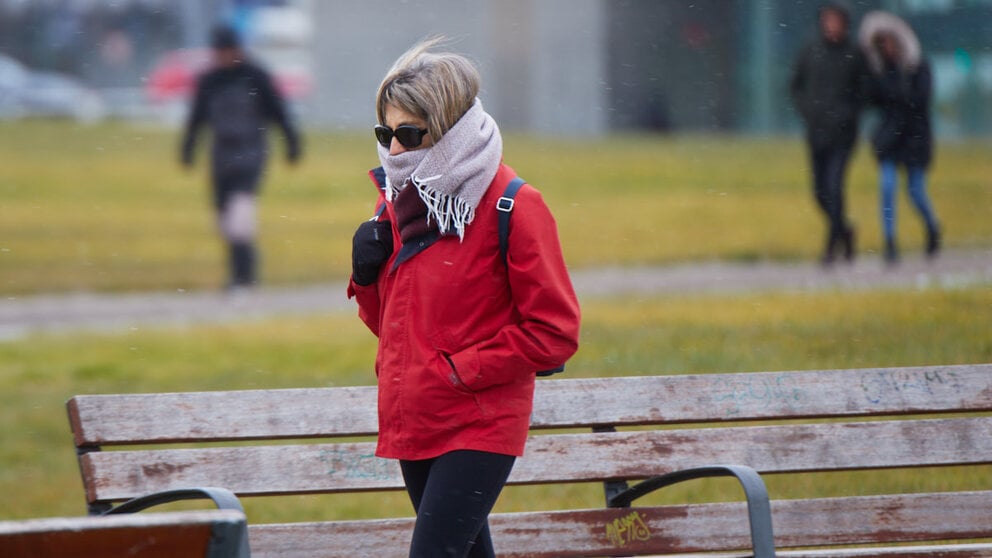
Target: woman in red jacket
(462, 331)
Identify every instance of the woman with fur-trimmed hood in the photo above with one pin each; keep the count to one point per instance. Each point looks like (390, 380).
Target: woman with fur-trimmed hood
(901, 89)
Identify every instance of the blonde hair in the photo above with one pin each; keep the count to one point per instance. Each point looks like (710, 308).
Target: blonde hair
(438, 87)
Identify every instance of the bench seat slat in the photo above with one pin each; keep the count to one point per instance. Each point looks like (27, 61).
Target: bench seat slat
(164, 535)
(638, 531)
(971, 550)
(332, 412)
(339, 467)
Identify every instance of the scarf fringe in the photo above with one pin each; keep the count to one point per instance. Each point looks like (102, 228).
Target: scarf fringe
(450, 212)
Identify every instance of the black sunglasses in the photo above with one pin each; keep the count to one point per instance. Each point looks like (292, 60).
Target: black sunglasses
(408, 136)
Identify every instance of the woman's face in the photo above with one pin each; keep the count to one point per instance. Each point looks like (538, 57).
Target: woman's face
(888, 47)
(396, 117)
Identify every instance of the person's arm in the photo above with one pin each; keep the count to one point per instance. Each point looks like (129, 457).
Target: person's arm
(864, 80)
(797, 84)
(548, 331)
(197, 117)
(274, 108)
(372, 247)
(920, 87)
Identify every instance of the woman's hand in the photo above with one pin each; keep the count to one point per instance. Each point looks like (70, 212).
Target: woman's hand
(370, 248)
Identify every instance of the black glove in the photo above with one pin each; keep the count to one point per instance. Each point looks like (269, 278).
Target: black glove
(370, 248)
(294, 151)
(186, 153)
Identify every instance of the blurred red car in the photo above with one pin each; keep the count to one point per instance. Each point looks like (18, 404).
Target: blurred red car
(174, 77)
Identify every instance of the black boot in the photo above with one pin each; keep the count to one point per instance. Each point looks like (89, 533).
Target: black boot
(243, 264)
(933, 242)
(833, 240)
(891, 252)
(847, 239)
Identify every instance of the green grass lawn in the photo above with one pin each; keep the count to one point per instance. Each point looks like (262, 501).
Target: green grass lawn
(645, 336)
(108, 208)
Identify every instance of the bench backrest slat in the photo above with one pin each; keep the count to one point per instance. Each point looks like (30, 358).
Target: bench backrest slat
(665, 529)
(99, 420)
(762, 395)
(339, 467)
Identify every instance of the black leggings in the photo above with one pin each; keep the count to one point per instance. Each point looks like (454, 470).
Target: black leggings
(453, 495)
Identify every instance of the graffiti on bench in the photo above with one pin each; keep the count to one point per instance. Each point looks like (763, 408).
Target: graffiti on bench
(353, 465)
(628, 529)
(735, 395)
(880, 385)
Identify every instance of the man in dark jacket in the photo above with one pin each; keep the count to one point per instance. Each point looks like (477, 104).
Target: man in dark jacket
(828, 88)
(237, 100)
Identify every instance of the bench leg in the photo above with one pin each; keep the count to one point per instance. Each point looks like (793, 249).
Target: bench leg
(612, 488)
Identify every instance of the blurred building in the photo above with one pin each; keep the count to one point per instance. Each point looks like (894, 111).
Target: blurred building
(549, 66)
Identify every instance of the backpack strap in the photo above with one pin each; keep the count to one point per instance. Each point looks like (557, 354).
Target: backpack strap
(505, 207)
(378, 174)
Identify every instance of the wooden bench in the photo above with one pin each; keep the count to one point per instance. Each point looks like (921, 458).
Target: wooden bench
(207, 534)
(776, 423)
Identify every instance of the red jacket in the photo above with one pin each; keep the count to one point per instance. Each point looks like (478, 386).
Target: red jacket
(461, 335)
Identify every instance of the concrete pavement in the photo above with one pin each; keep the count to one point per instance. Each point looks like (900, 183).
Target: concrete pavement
(54, 313)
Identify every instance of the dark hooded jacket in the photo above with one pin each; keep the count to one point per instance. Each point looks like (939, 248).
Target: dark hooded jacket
(903, 133)
(829, 87)
(238, 103)
(901, 90)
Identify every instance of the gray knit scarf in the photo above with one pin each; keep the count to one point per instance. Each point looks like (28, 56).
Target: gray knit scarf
(452, 175)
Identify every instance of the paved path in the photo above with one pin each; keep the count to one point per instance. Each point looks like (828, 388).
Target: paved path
(20, 316)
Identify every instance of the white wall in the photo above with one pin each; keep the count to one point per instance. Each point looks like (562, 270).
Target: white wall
(542, 61)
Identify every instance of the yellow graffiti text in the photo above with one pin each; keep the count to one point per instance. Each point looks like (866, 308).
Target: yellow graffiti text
(627, 529)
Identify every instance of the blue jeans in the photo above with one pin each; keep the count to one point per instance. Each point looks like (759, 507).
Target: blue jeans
(917, 186)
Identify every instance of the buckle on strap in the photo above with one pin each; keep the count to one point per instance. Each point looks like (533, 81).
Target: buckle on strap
(504, 204)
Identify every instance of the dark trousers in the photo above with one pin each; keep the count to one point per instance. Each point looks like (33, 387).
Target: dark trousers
(829, 168)
(237, 227)
(453, 495)
(243, 264)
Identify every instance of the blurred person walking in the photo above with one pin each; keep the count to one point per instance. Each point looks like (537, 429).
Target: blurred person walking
(463, 331)
(828, 88)
(236, 100)
(901, 89)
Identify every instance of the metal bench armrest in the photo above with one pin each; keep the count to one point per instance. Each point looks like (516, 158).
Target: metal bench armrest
(758, 506)
(224, 499)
